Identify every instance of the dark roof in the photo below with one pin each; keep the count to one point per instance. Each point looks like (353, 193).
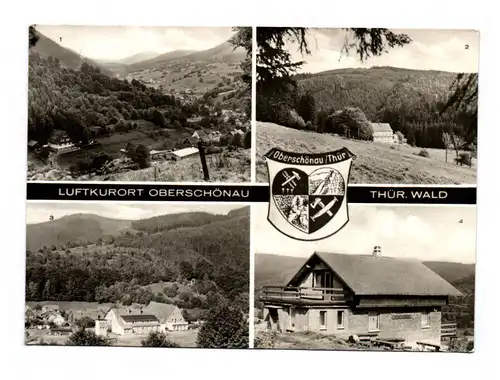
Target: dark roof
(201, 133)
(371, 275)
(57, 134)
(139, 318)
(161, 310)
(192, 140)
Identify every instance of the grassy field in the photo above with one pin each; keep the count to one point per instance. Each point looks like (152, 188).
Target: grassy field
(112, 143)
(227, 167)
(182, 338)
(375, 163)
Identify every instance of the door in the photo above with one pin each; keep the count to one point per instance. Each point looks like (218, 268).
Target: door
(373, 321)
(291, 312)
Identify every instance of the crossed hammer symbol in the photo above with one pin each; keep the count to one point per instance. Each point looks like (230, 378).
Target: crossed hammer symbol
(325, 209)
(290, 179)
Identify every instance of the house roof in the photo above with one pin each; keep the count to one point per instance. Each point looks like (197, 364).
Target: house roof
(192, 140)
(381, 127)
(139, 318)
(161, 310)
(201, 133)
(57, 134)
(371, 275)
(185, 152)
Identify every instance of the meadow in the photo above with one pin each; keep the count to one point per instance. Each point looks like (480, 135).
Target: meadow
(375, 163)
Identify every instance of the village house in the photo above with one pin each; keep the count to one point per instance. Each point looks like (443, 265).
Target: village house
(190, 141)
(170, 316)
(124, 321)
(162, 154)
(54, 317)
(382, 133)
(362, 296)
(185, 152)
(60, 142)
(29, 314)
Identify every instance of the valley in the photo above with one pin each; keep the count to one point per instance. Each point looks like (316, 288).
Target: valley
(147, 110)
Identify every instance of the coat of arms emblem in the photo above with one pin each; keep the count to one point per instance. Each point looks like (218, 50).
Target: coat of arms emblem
(308, 192)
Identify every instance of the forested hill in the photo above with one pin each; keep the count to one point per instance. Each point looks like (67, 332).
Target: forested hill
(88, 98)
(213, 253)
(411, 101)
(369, 89)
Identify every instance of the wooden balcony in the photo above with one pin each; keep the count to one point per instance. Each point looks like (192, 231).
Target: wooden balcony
(302, 295)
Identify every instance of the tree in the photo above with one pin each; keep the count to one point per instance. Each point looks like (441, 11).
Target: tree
(156, 339)
(87, 338)
(447, 144)
(225, 327)
(352, 122)
(33, 36)
(85, 322)
(274, 61)
(276, 89)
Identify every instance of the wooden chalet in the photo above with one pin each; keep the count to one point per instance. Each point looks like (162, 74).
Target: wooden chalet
(368, 296)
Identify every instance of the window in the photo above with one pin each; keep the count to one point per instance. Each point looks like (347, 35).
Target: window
(322, 320)
(373, 321)
(340, 319)
(426, 320)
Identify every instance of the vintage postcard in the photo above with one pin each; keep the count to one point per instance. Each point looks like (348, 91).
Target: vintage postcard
(403, 101)
(146, 275)
(130, 103)
(394, 278)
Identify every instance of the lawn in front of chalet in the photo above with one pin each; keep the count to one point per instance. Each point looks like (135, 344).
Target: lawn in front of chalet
(375, 163)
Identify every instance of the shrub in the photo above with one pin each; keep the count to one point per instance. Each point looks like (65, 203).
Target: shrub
(87, 338)
(156, 339)
(85, 322)
(247, 141)
(424, 153)
(225, 327)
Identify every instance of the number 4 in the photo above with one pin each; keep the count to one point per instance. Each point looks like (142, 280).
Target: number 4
(461, 221)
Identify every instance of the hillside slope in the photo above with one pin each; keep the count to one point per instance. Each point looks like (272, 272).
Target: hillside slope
(222, 52)
(369, 89)
(375, 163)
(72, 228)
(159, 59)
(68, 58)
(215, 254)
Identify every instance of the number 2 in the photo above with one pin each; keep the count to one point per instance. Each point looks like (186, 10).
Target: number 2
(466, 47)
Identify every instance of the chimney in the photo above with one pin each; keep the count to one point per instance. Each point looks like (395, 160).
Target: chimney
(377, 251)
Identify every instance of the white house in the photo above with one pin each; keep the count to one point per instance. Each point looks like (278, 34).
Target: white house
(170, 316)
(124, 321)
(185, 152)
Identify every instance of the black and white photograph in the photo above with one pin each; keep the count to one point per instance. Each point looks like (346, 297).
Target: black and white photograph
(403, 101)
(396, 278)
(132, 103)
(142, 275)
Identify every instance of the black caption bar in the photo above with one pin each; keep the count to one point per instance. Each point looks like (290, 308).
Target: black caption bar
(239, 193)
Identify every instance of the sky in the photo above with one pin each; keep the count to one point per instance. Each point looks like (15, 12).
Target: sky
(413, 232)
(117, 42)
(41, 212)
(430, 49)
